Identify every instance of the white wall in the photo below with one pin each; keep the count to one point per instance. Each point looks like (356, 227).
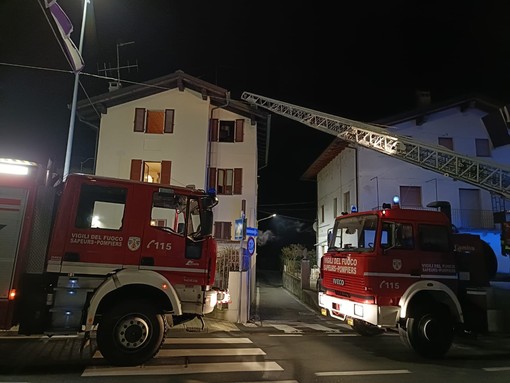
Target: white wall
(186, 147)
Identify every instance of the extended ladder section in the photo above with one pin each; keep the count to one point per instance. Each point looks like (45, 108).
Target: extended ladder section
(484, 174)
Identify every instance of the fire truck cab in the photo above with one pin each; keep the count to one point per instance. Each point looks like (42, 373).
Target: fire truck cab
(95, 253)
(406, 270)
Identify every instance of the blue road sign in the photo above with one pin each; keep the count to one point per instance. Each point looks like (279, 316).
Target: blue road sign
(251, 245)
(252, 231)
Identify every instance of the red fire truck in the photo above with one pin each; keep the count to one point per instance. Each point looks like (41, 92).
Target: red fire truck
(407, 270)
(121, 258)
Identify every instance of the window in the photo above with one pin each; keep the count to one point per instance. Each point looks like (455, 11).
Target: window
(347, 201)
(101, 207)
(397, 235)
(222, 230)
(335, 207)
(410, 196)
(226, 181)
(151, 171)
(482, 147)
(447, 142)
(168, 211)
(322, 213)
(227, 130)
(154, 121)
(354, 233)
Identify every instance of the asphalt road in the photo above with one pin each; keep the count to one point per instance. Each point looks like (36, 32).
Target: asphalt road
(285, 341)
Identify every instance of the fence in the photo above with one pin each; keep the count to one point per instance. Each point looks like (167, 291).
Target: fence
(227, 260)
(300, 275)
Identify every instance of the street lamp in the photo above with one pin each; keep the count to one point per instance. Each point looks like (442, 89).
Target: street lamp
(263, 219)
(67, 161)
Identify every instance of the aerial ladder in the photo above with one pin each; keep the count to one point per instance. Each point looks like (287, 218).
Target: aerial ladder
(482, 173)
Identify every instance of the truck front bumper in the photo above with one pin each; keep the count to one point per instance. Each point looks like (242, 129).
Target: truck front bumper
(342, 309)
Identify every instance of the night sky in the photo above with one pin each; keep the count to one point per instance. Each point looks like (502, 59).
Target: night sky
(362, 60)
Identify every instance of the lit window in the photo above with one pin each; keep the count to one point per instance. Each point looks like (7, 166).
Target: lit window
(152, 172)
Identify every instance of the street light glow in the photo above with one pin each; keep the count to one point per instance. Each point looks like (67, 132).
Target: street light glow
(263, 219)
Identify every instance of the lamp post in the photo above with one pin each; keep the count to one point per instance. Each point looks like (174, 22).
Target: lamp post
(67, 163)
(268, 217)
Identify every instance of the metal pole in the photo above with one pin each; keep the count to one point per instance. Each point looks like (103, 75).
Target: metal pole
(240, 271)
(67, 163)
(377, 188)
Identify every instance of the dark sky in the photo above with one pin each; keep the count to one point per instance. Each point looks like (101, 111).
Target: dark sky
(361, 60)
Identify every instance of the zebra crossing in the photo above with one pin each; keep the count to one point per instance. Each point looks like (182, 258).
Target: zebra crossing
(214, 354)
(177, 358)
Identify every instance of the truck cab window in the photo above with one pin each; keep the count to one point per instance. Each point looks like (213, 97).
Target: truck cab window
(101, 207)
(354, 233)
(168, 212)
(397, 235)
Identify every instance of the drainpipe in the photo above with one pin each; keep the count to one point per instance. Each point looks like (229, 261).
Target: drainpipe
(209, 143)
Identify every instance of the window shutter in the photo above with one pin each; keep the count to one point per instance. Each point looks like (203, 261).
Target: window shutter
(155, 121)
(238, 181)
(212, 178)
(213, 129)
(217, 230)
(169, 120)
(166, 172)
(227, 231)
(139, 119)
(136, 170)
(240, 130)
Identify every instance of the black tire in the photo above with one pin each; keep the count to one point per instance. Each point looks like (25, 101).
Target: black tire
(366, 329)
(131, 333)
(429, 332)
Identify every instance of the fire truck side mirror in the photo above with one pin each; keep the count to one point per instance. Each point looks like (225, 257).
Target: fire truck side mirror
(206, 224)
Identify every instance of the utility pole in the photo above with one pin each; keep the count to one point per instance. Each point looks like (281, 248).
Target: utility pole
(70, 135)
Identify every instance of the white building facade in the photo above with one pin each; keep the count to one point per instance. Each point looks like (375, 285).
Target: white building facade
(182, 131)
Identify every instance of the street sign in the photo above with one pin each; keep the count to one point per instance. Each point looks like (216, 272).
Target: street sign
(253, 231)
(251, 245)
(238, 229)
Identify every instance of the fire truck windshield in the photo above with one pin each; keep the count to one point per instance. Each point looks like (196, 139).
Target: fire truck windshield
(354, 233)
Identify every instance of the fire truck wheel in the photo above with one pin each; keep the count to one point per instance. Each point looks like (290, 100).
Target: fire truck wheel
(131, 333)
(429, 332)
(366, 329)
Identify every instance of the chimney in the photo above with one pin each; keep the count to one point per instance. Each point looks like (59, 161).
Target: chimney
(114, 85)
(423, 98)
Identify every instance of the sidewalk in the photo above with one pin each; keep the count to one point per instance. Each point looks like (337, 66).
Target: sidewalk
(274, 302)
